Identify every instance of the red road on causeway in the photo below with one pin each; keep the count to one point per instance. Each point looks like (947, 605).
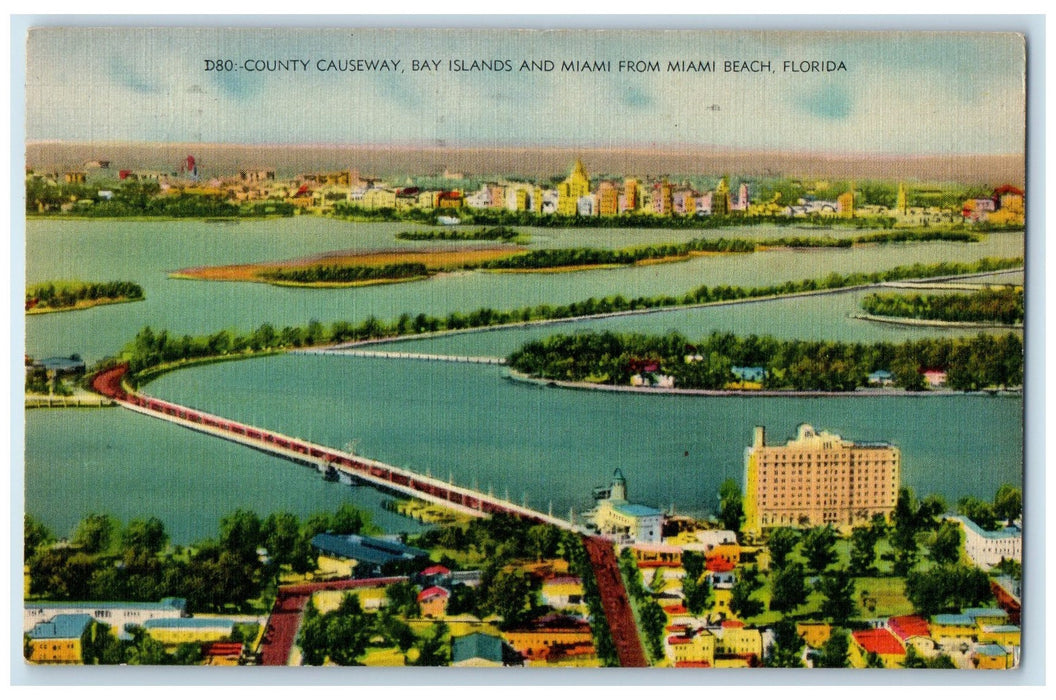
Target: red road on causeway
(615, 603)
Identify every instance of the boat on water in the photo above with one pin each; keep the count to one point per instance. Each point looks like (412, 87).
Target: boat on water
(448, 220)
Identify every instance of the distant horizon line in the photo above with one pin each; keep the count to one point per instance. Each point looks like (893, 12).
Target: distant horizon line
(656, 148)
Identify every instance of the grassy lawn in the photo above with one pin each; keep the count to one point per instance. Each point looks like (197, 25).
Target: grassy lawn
(885, 597)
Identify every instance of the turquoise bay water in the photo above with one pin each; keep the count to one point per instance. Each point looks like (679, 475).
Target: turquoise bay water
(475, 424)
(146, 252)
(467, 421)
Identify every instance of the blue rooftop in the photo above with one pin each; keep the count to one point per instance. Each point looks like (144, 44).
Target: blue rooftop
(476, 646)
(164, 604)
(370, 550)
(1002, 628)
(953, 619)
(985, 612)
(1002, 534)
(991, 650)
(635, 510)
(61, 627)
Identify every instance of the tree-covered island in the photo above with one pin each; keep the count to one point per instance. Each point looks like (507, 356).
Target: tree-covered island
(46, 297)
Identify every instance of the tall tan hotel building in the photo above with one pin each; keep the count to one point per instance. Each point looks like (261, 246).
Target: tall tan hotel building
(818, 479)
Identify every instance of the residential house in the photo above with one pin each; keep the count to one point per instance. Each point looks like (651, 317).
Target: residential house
(913, 631)
(993, 657)
(560, 592)
(878, 641)
(58, 640)
(433, 601)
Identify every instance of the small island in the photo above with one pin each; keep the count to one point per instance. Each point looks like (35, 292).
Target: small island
(725, 363)
(1001, 306)
(48, 297)
(495, 233)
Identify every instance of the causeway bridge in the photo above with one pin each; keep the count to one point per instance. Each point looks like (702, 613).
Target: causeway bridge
(470, 359)
(350, 468)
(335, 464)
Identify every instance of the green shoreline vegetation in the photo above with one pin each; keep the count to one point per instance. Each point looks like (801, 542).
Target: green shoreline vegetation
(972, 364)
(47, 297)
(576, 259)
(495, 233)
(346, 274)
(150, 349)
(1004, 306)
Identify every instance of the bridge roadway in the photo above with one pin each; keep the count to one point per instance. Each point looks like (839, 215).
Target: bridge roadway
(470, 359)
(353, 467)
(329, 461)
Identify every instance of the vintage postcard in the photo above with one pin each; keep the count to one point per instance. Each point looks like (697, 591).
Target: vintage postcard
(471, 348)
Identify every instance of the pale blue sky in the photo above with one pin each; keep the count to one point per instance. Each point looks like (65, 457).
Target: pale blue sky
(909, 93)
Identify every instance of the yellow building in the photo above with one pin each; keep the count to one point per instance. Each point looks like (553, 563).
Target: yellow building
(379, 199)
(551, 638)
(734, 639)
(720, 199)
(902, 204)
(1010, 209)
(691, 649)
(373, 598)
(562, 592)
(880, 642)
(993, 657)
(1005, 635)
(663, 198)
(845, 205)
(630, 195)
(608, 200)
(953, 627)
(818, 479)
(57, 641)
(177, 630)
(576, 185)
(518, 198)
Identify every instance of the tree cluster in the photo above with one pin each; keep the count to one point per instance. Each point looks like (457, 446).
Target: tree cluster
(105, 561)
(986, 306)
(494, 233)
(60, 295)
(345, 274)
(611, 358)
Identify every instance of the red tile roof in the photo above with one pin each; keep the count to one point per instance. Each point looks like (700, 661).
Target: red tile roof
(675, 610)
(675, 641)
(906, 626)
(223, 649)
(433, 592)
(879, 641)
(727, 624)
(437, 570)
